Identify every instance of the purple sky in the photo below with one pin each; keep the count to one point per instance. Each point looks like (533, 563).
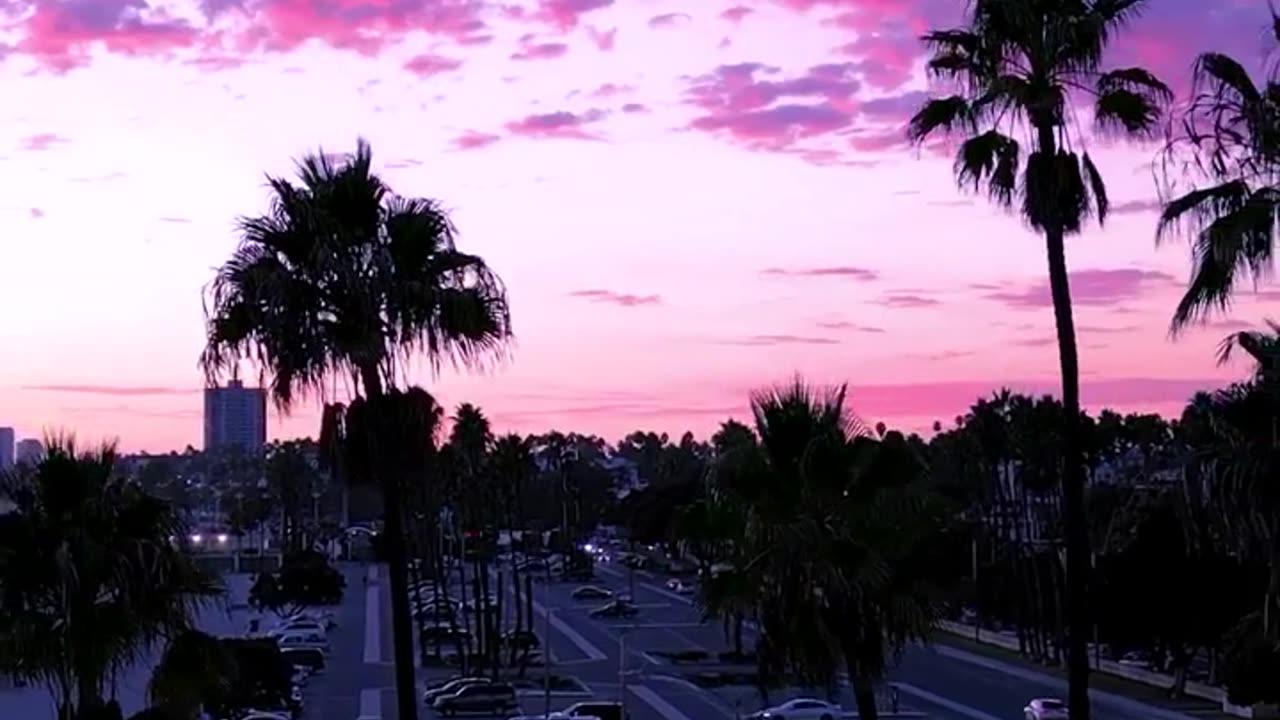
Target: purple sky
(687, 201)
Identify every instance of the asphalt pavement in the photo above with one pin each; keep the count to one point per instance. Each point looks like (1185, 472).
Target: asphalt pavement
(943, 681)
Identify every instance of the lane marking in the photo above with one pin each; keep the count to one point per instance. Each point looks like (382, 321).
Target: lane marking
(371, 704)
(940, 701)
(372, 624)
(591, 651)
(660, 626)
(655, 701)
(1100, 697)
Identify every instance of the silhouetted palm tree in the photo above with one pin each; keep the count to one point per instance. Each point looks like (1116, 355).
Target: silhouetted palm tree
(828, 523)
(93, 572)
(1229, 144)
(342, 280)
(1019, 65)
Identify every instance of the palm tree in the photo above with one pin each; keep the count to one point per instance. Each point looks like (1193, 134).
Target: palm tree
(1228, 143)
(513, 466)
(343, 280)
(1019, 65)
(831, 522)
(93, 573)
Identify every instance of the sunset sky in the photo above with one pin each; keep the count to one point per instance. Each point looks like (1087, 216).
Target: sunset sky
(686, 200)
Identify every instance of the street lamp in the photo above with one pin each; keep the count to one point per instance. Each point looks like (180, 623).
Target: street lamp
(622, 670)
(546, 655)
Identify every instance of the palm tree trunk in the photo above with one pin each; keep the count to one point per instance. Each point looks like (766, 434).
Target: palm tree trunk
(1073, 471)
(864, 698)
(464, 646)
(394, 545)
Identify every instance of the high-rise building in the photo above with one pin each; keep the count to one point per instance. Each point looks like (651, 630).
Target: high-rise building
(29, 451)
(235, 415)
(6, 447)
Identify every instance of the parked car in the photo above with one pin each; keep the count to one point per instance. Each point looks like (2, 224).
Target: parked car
(802, 709)
(1045, 709)
(616, 609)
(443, 634)
(521, 639)
(313, 660)
(302, 639)
(592, 592)
(450, 686)
(491, 698)
(597, 709)
(676, 585)
(301, 624)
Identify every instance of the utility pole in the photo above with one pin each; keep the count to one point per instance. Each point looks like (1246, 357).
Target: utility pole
(622, 673)
(546, 655)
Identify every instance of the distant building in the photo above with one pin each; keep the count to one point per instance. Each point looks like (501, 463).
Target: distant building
(6, 447)
(235, 415)
(29, 451)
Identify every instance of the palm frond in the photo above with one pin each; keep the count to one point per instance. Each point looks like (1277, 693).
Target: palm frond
(947, 115)
(991, 157)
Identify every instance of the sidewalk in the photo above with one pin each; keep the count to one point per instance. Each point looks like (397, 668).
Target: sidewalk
(1099, 680)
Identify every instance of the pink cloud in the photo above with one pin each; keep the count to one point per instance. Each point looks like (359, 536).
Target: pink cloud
(617, 298)
(474, 140)
(42, 141)
(428, 64)
(604, 40)
(566, 14)
(668, 20)
(1136, 207)
(531, 49)
(751, 105)
(736, 14)
(36, 213)
(59, 35)
(635, 108)
(561, 124)
(843, 271)
(356, 25)
(125, 390)
(850, 326)
(1089, 287)
(908, 301)
(775, 340)
(608, 90)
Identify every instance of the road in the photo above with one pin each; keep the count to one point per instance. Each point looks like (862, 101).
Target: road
(941, 682)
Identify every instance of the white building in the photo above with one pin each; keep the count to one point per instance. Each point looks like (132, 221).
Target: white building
(29, 450)
(6, 447)
(235, 415)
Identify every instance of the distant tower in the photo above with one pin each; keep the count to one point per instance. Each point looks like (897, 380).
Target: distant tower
(29, 451)
(235, 416)
(6, 447)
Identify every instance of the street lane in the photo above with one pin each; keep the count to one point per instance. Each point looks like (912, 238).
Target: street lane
(950, 683)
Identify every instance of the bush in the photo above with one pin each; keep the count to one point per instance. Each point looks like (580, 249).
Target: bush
(1250, 664)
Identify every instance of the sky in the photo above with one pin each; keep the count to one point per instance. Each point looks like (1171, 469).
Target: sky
(687, 201)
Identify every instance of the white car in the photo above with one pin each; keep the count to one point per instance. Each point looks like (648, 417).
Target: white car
(302, 639)
(299, 625)
(802, 709)
(1045, 709)
(676, 585)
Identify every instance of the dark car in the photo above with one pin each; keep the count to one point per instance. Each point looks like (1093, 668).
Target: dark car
(443, 634)
(312, 659)
(491, 698)
(449, 687)
(600, 710)
(592, 592)
(521, 640)
(616, 609)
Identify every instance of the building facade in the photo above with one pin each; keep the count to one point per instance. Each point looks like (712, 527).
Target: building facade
(235, 416)
(6, 447)
(29, 451)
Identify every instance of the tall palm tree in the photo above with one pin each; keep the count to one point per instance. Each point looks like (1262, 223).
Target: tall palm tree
(93, 573)
(343, 280)
(1019, 65)
(831, 523)
(1228, 145)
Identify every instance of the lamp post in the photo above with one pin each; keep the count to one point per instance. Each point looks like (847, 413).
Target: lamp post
(622, 671)
(546, 656)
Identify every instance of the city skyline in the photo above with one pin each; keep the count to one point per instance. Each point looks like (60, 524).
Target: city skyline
(601, 157)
